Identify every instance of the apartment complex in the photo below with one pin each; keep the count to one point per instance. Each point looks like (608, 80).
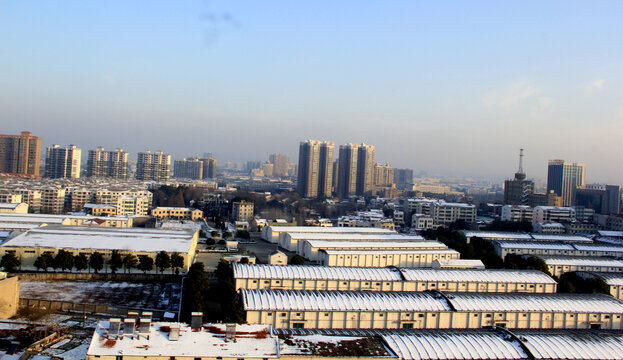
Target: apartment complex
(280, 164)
(63, 162)
(315, 171)
(153, 166)
(20, 154)
(111, 164)
(242, 210)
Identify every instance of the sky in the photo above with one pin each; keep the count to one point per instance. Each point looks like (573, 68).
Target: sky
(447, 88)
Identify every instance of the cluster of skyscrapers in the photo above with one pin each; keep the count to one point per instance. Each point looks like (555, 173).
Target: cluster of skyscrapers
(351, 175)
(20, 154)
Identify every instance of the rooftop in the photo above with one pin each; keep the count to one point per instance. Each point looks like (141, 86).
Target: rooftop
(252, 341)
(581, 261)
(335, 230)
(355, 236)
(376, 244)
(97, 238)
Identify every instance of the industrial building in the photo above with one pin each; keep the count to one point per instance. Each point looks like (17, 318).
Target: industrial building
(293, 277)
(272, 234)
(558, 265)
(503, 248)
(614, 280)
(310, 248)
(414, 258)
(293, 241)
(429, 310)
(87, 240)
(19, 222)
(514, 236)
(179, 213)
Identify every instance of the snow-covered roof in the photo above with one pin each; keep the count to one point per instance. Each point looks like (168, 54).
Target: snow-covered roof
(534, 245)
(49, 219)
(520, 302)
(17, 226)
(598, 247)
(567, 238)
(350, 236)
(388, 251)
(608, 233)
(305, 300)
(496, 235)
(611, 278)
(334, 230)
(474, 263)
(375, 244)
(292, 300)
(308, 272)
(573, 344)
(456, 345)
(252, 341)
(481, 276)
(9, 205)
(105, 238)
(581, 261)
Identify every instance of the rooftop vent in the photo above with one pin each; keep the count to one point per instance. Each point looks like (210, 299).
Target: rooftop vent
(128, 327)
(143, 328)
(230, 332)
(174, 334)
(196, 319)
(114, 328)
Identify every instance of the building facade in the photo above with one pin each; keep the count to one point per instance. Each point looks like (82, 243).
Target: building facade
(63, 162)
(280, 164)
(110, 164)
(20, 154)
(315, 170)
(153, 166)
(564, 178)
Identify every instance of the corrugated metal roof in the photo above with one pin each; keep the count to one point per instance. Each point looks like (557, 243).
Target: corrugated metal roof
(456, 345)
(307, 272)
(581, 261)
(358, 236)
(611, 278)
(318, 229)
(534, 245)
(482, 276)
(518, 302)
(389, 251)
(375, 244)
(573, 344)
(293, 300)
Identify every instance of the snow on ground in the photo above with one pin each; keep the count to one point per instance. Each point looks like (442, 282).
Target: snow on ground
(158, 296)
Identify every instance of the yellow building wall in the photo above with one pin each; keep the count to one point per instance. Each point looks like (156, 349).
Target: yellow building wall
(9, 297)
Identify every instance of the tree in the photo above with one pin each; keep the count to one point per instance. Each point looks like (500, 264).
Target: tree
(227, 235)
(81, 262)
(210, 241)
(43, 261)
(10, 262)
(177, 262)
(115, 261)
(145, 263)
(243, 234)
(244, 260)
(96, 261)
(215, 233)
(297, 260)
(130, 261)
(195, 291)
(64, 260)
(163, 261)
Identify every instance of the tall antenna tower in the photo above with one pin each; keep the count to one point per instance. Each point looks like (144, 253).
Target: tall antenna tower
(520, 175)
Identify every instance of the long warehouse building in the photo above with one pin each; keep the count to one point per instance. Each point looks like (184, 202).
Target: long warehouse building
(305, 277)
(295, 241)
(310, 248)
(503, 248)
(272, 233)
(429, 310)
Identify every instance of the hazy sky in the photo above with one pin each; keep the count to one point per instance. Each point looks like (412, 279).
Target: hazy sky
(450, 88)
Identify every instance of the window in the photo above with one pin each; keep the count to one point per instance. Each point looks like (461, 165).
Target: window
(269, 314)
(407, 326)
(118, 357)
(283, 314)
(298, 325)
(326, 314)
(298, 314)
(596, 326)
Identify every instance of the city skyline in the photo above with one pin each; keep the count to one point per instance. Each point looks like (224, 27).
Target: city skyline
(475, 82)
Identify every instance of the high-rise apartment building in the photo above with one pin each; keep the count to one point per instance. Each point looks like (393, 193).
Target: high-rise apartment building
(280, 164)
(209, 167)
(403, 178)
(383, 175)
(347, 171)
(62, 162)
(564, 178)
(188, 168)
(365, 170)
(153, 166)
(20, 154)
(109, 164)
(315, 170)
(519, 190)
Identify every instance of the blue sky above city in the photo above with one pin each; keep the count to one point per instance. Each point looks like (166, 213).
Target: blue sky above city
(443, 87)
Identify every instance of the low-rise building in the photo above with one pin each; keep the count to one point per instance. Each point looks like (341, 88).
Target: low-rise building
(381, 258)
(444, 213)
(503, 248)
(458, 264)
(309, 249)
(429, 310)
(20, 222)
(179, 213)
(516, 213)
(306, 277)
(295, 241)
(277, 258)
(421, 222)
(548, 228)
(272, 234)
(543, 214)
(614, 280)
(14, 208)
(558, 265)
(242, 211)
(87, 240)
